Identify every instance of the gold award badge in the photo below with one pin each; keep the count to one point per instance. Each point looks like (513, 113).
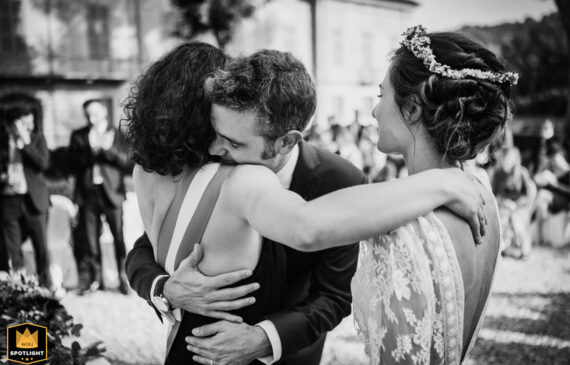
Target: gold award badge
(27, 343)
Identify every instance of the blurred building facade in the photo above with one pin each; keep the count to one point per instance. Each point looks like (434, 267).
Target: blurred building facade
(65, 52)
(351, 47)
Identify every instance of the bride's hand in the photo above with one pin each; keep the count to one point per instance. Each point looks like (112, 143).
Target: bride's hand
(466, 200)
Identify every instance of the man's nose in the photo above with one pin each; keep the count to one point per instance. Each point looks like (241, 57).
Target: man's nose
(217, 147)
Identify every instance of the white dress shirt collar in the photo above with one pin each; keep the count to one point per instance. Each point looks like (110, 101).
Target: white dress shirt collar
(285, 175)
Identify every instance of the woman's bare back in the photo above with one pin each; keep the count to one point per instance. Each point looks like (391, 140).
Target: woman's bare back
(229, 242)
(477, 262)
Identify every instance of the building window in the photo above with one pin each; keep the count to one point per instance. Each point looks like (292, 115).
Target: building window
(98, 31)
(10, 27)
(366, 71)
(338, 47)
(367, 47)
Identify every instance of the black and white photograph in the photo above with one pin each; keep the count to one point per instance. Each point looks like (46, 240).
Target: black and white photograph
(288, 182)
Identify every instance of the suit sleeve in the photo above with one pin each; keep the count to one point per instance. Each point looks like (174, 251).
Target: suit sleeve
(142, 268)
(36, 153)
(116, 155)
(329, 299)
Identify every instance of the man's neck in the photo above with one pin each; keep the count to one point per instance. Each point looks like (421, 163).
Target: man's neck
(285, 173)
(282, 160)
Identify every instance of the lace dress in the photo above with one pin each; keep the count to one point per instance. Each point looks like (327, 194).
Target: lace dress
(409, 296)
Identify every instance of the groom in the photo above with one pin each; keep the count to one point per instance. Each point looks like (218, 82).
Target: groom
(260, 105)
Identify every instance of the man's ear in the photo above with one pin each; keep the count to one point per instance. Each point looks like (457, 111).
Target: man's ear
(285, 144)
(412, 110)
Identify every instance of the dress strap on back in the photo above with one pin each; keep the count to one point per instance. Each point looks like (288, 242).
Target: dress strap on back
(202, 215)
(195, 229)
(167, 229)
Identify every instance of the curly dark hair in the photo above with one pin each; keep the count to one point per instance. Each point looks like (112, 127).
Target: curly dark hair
(273, 83)
(462, 116)
(167, 122)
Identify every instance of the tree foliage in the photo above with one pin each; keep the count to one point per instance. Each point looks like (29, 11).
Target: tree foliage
(221, 17)
(538, 51)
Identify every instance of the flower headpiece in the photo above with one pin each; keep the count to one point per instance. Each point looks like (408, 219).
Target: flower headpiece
(417, 41)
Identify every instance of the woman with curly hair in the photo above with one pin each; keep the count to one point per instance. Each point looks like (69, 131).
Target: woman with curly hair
(421, 289)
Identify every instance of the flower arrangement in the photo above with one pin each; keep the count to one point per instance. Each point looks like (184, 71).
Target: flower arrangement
(418, 42)
(22, 300)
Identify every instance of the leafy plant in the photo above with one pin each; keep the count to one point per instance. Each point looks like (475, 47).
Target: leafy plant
(541, 59)
(22, 300)
(221, 17)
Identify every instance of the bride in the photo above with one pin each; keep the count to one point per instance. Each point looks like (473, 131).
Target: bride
(420, 291)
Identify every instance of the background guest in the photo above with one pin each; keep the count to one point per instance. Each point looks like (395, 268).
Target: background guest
(24, 198)
(516, 193)
(97, 158)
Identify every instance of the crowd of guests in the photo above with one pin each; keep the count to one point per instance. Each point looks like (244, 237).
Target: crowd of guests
(532, 187)
(533, 192)
(356, 143)
(96, 162)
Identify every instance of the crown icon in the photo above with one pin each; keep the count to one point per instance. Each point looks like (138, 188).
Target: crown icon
(26, 340)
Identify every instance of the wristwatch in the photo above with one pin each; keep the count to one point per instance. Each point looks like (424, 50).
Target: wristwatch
(158, 299)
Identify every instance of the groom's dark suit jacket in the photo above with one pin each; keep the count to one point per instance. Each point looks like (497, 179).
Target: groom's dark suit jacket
(318, 283)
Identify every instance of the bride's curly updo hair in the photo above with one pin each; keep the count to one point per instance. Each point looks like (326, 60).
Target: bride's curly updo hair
(462, 116)
(167, 122)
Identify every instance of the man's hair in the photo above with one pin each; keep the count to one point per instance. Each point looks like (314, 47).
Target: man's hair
(272, 83)
(14, 106)
(91, 101)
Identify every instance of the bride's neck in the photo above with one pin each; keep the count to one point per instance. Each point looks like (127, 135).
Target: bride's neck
(423, 155)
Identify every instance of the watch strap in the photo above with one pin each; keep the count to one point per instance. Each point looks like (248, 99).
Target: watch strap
(159, 287)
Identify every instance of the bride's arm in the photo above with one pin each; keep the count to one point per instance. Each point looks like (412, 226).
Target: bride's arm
(346, 215)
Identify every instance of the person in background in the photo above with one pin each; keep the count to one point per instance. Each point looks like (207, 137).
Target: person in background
(24, 197)
(516, 195)
(553, 181)
(347, 147)
(98, 160)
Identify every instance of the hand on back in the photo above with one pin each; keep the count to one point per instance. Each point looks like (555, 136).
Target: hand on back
(209, 296)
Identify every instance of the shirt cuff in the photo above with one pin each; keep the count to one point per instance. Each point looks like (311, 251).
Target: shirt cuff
(154, 282)
(176, 313)
(275, 341)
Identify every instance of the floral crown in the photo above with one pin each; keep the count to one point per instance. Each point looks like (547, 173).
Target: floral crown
(417, 41)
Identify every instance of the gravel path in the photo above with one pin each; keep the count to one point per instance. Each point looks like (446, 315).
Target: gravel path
(528, 320)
